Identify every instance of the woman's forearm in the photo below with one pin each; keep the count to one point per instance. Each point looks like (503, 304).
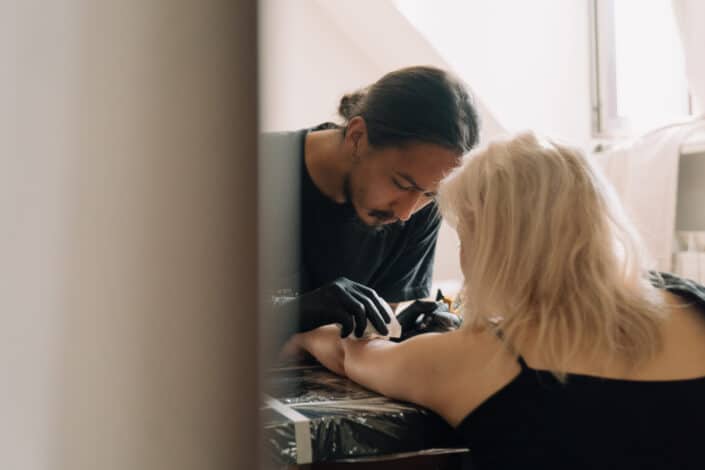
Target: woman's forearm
(326, 346)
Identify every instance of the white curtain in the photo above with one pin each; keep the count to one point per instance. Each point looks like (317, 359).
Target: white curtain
(644, 171)
(690, 17)
(644, 174)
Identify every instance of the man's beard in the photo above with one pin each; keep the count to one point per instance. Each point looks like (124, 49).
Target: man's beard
(379, 216)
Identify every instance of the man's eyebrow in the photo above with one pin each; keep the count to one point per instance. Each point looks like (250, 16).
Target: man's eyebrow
(415, 185)
(411, 181)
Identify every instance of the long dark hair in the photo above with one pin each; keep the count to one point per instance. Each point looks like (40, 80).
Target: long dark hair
(423, 104)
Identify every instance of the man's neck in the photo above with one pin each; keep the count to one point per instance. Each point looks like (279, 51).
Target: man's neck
(326, 164)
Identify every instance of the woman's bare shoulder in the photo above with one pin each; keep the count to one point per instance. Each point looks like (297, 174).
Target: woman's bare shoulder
(470, 366)
(683, 353)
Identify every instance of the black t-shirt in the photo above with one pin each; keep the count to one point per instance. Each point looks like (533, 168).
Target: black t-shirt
(396, 261)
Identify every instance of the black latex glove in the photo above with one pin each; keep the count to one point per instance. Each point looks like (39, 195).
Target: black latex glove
(345, 302)
(425, 316)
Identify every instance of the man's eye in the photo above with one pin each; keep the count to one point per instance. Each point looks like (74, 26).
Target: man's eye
(400, 186)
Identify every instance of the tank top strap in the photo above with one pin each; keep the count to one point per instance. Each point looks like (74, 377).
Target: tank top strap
(522, 363)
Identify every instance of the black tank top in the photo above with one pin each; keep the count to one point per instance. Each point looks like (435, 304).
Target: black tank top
(589, 422)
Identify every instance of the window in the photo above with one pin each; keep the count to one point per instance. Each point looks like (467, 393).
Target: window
(639, 78)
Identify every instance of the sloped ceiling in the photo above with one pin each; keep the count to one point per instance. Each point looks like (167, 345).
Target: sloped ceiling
(382, 32)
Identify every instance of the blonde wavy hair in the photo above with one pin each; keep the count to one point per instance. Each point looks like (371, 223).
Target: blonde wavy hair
(546, 247)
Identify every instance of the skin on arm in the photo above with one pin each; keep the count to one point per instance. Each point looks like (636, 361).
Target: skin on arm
(448, 373)
(398, 370)
(323, 343)
(317, 340)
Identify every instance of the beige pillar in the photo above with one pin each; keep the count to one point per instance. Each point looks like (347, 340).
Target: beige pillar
(130, 234)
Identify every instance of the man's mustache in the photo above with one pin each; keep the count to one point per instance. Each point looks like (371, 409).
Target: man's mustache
(382, 216)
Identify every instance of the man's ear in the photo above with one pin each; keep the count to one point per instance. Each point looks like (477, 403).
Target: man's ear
(356, 135)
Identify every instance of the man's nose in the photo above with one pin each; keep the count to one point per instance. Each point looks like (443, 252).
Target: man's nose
(406, 206)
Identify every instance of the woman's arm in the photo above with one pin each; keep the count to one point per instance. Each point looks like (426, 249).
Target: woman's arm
(325, 345)
(431, 370)
(398, 370)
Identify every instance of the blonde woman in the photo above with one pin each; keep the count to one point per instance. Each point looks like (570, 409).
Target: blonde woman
(570, 355)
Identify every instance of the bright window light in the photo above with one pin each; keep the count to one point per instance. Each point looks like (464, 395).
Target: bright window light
(640, 75)
(651, 83)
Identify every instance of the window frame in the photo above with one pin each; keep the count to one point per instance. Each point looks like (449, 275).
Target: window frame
(606, 122)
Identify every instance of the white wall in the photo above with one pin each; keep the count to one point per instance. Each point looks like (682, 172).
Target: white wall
(306, 65)
(314, 51)
(528, 60)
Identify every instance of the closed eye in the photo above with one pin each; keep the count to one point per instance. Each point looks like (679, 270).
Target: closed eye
(401, 186)
(427, 194)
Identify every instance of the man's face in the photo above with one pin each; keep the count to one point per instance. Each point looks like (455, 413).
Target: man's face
(390, 184)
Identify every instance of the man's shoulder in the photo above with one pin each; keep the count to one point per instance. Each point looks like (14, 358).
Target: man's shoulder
(284, 137)
(426, 218)
(276, 141)
(280, 157)
(431, 211)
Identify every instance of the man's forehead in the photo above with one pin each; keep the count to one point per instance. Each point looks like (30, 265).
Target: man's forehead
(426, 169)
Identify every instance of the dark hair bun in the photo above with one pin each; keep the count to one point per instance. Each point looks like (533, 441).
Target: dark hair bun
(349, 105)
